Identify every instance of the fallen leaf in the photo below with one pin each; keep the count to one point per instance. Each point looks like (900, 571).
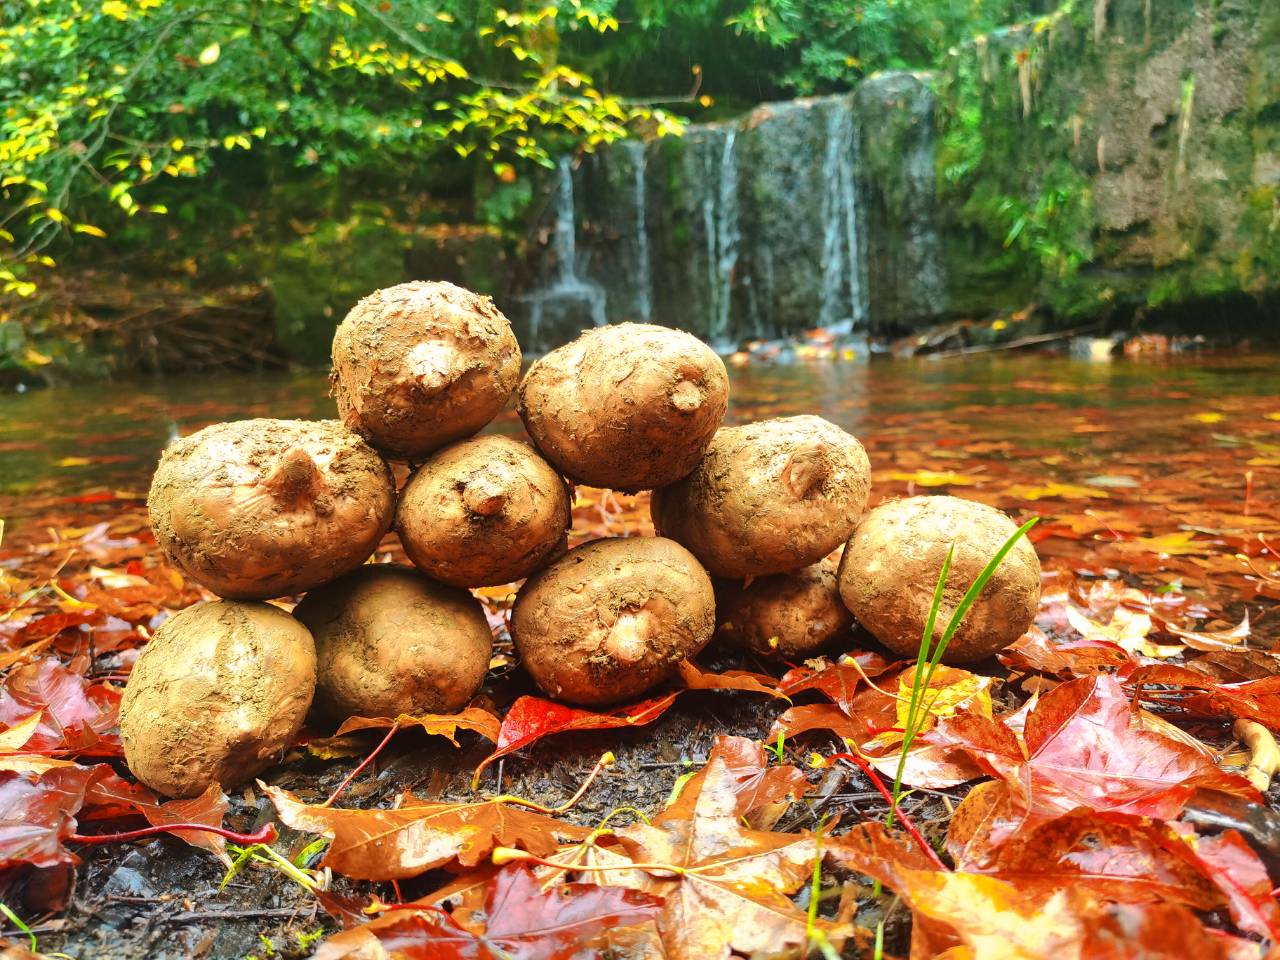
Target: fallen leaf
(435, 724)
(1211, 639)
(418, 836)
(1083, 747)
(38, 813)
(731, 893)
(971, 916)
(695, 678)
(532, 718)
(76, 716)
(112, 797)
(520, 921)
(934, 478)
(1169, 544)
(1059, 491)
(763, 792)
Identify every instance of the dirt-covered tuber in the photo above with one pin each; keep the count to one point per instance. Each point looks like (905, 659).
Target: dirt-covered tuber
(629, 407)
(390, 641)
(891, 566)
(263, 508)
(789, 615)
(482, 512)
(216, 696)
(767, 497)
(422, 364)
(613, 618)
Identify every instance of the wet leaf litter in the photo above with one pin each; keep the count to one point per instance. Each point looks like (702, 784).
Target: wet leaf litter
(1136, 584)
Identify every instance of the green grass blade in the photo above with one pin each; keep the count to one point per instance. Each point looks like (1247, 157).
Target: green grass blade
(930, 654)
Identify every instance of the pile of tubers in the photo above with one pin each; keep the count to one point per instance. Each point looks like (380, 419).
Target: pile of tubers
(259, 510)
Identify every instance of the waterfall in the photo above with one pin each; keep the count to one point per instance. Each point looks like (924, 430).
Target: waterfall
(569, 303)
(842, 300)
(642, 265)
(720, 227)
(758, 228)
(564, 242)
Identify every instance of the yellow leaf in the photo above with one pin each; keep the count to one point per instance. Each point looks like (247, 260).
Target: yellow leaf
(1209, 417)
(1272, 416)
(56, 215)
(347, 8)
(116, 9)
(1065, 491)
(90, 229)
(950, 688)
(72, 462)
(934, 478)
(1126, 628)
(1173, 544)
(210, 54)
(16, 736)
(177, 143)
(34, 356)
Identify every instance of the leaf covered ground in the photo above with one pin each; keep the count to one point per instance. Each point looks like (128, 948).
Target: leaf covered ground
(1085, 795)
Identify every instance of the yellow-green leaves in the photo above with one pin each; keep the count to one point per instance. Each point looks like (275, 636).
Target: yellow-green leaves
(210, 54)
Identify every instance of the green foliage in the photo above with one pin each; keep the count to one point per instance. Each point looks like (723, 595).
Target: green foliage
(100, 101)
(833, 41)
(991, 125)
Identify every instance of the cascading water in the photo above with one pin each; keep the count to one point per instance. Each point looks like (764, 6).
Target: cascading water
(569, 299)
(760, 228)
(642, 266)
(719, 163)
(842, 300)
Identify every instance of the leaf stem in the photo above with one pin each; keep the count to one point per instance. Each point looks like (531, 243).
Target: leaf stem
(363, 763)
(907, 825)
(264, 835)
(607, 760)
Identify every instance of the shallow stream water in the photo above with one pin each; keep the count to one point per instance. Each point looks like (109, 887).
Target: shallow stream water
(1095, 416)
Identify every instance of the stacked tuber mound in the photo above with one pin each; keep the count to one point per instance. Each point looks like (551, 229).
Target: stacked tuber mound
(268, 509)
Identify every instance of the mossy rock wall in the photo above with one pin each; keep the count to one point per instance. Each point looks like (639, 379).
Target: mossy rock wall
(1120, 161)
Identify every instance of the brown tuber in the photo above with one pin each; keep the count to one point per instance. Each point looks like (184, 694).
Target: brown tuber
(613, 618)
(390, 641)
(482, 512)
(422, 364)
(264, 508)
(891, 566)
(767, 497)
(789, 615)
(216, 696)
(629, 407)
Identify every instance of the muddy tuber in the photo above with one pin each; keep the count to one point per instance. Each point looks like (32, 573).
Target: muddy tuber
(891, 566)
(767, 497)
(422, 364)
(613, 618)
(216, 696)
(482, 512)
(629, 407)
(264, 508)
(789, 615)
(390, 641)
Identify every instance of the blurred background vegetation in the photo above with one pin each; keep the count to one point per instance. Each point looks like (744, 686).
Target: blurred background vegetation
(162, 160)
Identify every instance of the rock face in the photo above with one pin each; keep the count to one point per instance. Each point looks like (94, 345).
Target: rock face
(1137, 141)
(1107, 162)
(734, 230)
